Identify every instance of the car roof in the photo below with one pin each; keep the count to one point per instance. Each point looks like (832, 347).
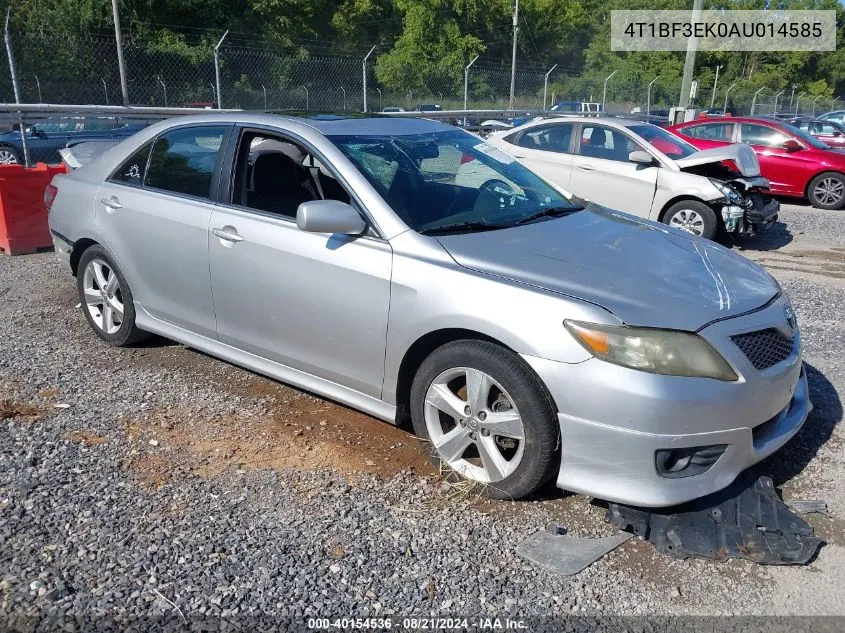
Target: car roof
(607, 120)
(732, 119)
(327, 124)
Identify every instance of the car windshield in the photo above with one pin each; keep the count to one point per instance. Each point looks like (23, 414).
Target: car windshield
(451, 179)
(663, 141)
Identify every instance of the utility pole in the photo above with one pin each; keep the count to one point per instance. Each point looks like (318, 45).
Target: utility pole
(689, 62)
(364, 67)
(513, 55)
(14, 74)
(715, 81)
(217, 69)
(121, 63)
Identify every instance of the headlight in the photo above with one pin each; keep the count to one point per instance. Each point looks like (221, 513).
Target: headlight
(665, 352)
(728, 192)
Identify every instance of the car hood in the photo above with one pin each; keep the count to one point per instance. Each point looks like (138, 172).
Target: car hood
(644, 273)
(741, 154)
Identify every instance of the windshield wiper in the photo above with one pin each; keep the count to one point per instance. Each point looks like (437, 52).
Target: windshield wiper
(463, 227)
(551, 212)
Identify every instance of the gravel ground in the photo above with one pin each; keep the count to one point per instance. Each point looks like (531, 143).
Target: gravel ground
(156, 481)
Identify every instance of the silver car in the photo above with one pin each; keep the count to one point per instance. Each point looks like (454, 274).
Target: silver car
(411, 270)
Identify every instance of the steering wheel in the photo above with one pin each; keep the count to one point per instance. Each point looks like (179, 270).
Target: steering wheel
(496, 183)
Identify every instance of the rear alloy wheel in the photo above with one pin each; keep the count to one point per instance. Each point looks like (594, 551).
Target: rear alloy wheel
(693, 217)
(106, 299)
(827, 191)
(8, 156)
(485, 417)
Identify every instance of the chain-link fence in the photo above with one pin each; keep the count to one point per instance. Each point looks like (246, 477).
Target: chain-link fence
(180, 73)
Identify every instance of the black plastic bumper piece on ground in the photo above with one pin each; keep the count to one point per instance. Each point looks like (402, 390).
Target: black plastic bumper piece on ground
(746, 520)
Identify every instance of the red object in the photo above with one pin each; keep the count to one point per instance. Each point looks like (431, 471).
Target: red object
(23, 212)
(789, 171)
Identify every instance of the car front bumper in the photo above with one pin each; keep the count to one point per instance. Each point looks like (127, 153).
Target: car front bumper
(613, 420)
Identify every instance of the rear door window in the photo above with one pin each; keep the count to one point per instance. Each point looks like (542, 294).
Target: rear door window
(550, 138)
(183, 160)
(711, 131)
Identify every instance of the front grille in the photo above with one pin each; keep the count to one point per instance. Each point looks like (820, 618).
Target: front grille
(764, 348)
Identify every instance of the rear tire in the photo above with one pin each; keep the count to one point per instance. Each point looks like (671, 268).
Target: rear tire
(483, 416)
(106, 298)
(693, 217)
(827, 191)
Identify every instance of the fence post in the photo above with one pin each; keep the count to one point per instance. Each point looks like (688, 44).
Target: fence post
(813, 113)
(775, 111)
(648, 99)
(754, 99)
(727, 92)
(164, 87)
(715, 82)
(105, 89)
(466, 84)
(305, 88)
(217, 69)
(265, 95)
(546, 84)
(604, 91)
(364, 69)
(798, 102)
(344, 97)
(14, 75)
(38, 85)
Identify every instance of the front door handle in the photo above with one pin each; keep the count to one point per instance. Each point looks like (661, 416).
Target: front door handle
(227, 233)
(112, 204)
(586, 167)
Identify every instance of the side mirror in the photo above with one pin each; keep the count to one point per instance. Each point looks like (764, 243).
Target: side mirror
(791, 145)
(33, 130)
(329, 216)
(641, 157)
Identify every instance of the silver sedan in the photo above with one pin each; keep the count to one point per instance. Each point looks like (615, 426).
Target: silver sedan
(410, 270)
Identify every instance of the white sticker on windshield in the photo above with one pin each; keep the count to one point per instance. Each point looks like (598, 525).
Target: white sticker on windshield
(495, 153)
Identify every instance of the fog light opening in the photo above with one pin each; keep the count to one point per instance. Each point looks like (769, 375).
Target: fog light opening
(687, 462)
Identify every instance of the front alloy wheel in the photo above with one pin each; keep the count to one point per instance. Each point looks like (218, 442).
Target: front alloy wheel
(473, 425)
(484, 416)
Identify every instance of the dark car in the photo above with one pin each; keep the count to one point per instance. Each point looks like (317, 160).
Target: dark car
(829, 132)
(47, 137)
(429, 107)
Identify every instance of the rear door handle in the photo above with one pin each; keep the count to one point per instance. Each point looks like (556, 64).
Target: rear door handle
(586, 167)
(112, 203)
(227, 233)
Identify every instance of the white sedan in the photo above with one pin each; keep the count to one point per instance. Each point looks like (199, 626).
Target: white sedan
(647, 171)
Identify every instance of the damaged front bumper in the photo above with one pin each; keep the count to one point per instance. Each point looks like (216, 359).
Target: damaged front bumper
(754, 218)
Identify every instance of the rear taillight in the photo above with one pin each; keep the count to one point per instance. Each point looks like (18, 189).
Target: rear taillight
(50, 195)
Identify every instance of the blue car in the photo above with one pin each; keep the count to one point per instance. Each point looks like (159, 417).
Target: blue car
(47, 137)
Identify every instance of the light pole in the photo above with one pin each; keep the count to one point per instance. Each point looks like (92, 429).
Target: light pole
(754, 99)
(727, 92)
(604, 91)
(792, 95)
(38, 85)
(164, 87)
(775, 111)
(466, 82)
(217, 69)
(648, 99)
(715, 82)
(364, 77)
(798, 101)
(546, 85)
(814, 105)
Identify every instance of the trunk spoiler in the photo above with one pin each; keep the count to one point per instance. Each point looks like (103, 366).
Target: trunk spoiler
(82, 153)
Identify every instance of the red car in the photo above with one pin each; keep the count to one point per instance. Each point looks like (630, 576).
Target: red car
(829, 132)
(795, 163)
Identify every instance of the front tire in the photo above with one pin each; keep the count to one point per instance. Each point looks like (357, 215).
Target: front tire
(484, 417)
(693, 217)
(106, 298)
(827, 191)
(8, 156)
